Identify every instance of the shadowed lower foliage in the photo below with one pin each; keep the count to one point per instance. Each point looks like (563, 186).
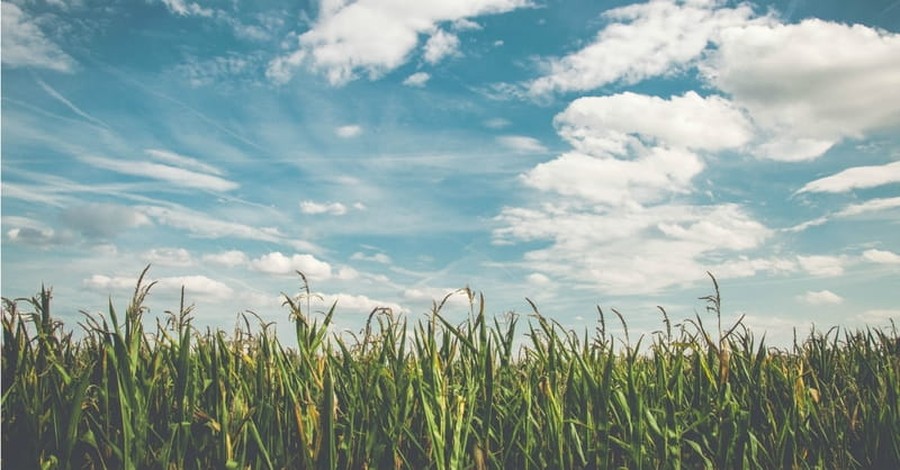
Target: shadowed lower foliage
(439, 395)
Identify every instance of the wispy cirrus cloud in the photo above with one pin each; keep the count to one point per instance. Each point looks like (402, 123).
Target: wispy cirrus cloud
(872, 206)
(172, 174)
(200, 224)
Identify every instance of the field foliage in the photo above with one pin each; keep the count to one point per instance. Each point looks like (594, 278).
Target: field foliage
(438, 394)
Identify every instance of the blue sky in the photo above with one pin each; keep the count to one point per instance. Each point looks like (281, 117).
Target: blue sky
(575, 153)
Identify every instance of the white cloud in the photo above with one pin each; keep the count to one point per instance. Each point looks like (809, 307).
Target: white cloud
(200, 285)
(610, 124)
(418, 79)
(203, 225)
(377, 257)
(809, 85)
(455, 297)
(170, 174)
(281, 69)
(169, 257)
(277, 263)
(346, 132)
(314, 208)
(608, 211)
(881, 256)
(522, 144)
(852, 210)
(182, 161)
(102, 220)
(441, 44)
(872, 205)
(182, 8)
(196, 284)
(823, 297)
(230, 258)
(101, 282)
(879, 315)
(25, 45)
(629, 250)
(860, 177)
(538, 279)
(34, 236)
(635, 148)
(640, 41)
(358, 303)
(374, 36)
(826, 266)
(497, 123)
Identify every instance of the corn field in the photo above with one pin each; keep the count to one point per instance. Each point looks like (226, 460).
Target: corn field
(486, 393)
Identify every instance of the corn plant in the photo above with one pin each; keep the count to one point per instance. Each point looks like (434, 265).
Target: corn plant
(436, 393)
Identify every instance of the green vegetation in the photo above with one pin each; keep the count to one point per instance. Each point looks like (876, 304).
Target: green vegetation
(439, 395)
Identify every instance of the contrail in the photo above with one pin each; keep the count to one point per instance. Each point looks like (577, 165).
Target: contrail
(75, 109)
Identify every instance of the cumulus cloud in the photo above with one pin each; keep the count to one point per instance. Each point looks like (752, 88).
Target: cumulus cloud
(808, 85)
(178, 257)
(860, 177)
(522, 144)
(102, 220)
(230, 258)
(101, 282)
(629, 250)
(455, 297)
(418, 79)
(823, 297)
(346, 132)
(825, 266)
(881, 256)
(25, 45)
(35, 236)
(636, 148)
(538, 279)
(441, 44)
(612, 124)
(358, 303)
(608, 212)
(640, 41)
(196, 284)
(314, 208)
(376, 36)
(278, 263)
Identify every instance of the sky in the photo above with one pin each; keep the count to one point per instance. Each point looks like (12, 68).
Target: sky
(574, 153)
